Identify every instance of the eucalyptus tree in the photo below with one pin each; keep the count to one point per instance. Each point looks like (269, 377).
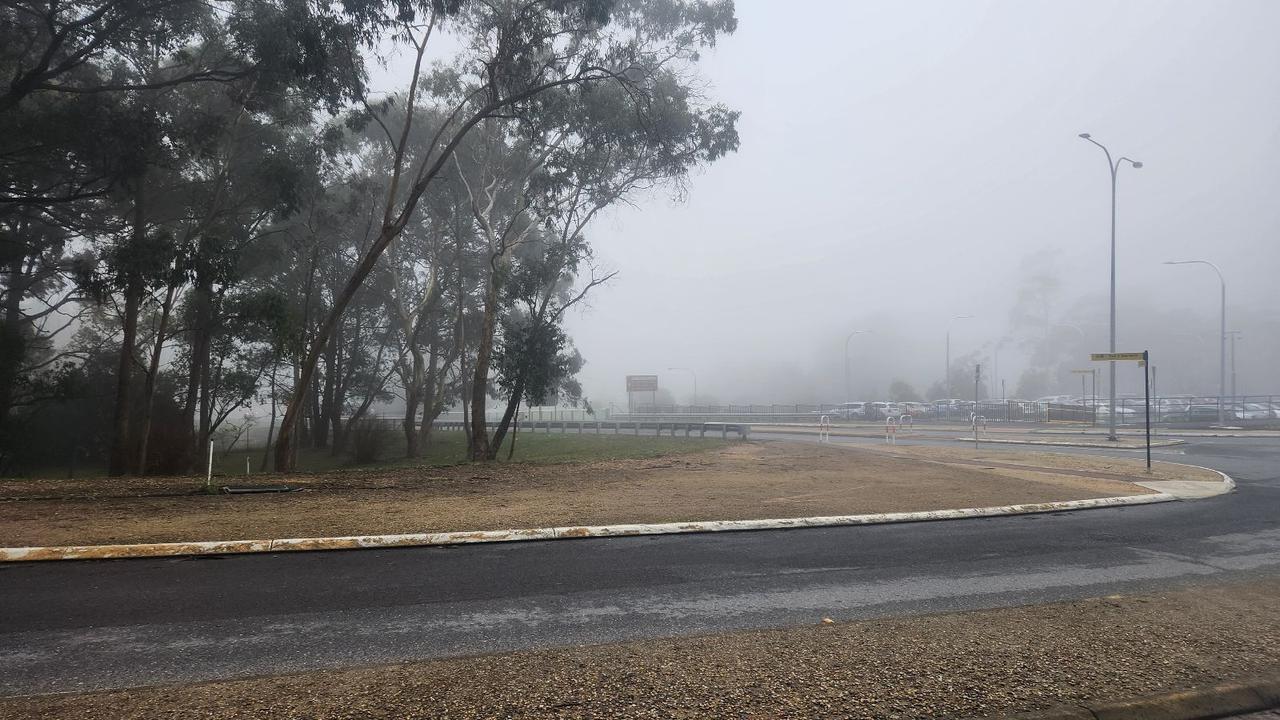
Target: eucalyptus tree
(605, 143)
(515, 51)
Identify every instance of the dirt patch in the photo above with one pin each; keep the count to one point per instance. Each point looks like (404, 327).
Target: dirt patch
(956, 665)
(752, 480)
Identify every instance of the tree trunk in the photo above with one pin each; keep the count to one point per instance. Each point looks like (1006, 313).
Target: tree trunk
(120, 459)
(513, 405)
(199, 360)
(206, 403)
(271, 428)
(153, 371)
(479, 441)
(430, 388)
(409, 423)
(119, 463)
(412, 396)
(12, 342)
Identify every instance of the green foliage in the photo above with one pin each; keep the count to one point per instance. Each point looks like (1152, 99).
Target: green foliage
(537, 355)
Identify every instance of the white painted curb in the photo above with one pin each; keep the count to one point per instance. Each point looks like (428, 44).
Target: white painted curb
(1067, 443)
(225, 547)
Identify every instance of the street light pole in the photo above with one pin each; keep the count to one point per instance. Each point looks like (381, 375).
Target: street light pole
(1234, 334)
(847, 387)
(946, 378)
(1222, 338)
(695, 382)
(1114, 167)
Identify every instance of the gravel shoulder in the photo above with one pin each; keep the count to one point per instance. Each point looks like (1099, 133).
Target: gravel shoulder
(743, 481)
(952, 665)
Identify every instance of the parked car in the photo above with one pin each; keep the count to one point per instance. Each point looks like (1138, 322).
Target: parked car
(1202, 412)
(915, 409)
(1123, 413)
(847, 411)
(877, 410)
(1251, 411)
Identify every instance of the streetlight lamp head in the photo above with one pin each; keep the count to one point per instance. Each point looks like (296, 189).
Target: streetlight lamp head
(1136, 164)
(1086, 136)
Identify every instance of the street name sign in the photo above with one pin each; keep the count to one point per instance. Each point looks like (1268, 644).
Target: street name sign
(1102, 357)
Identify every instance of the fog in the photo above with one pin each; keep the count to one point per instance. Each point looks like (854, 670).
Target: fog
(904, 163)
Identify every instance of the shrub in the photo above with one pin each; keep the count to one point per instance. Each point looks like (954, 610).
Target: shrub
(369, 437)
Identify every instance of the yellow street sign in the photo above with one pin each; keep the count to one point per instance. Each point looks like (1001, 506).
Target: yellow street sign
(1099, 357)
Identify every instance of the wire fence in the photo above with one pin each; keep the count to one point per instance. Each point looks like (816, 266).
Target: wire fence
(1244, 410)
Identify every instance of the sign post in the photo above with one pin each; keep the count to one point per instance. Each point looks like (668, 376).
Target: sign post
(1143, 358)
(1093, 399)
(641, 383)
(1146, 389)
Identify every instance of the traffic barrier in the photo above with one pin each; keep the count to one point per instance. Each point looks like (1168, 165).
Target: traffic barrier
(975, 419)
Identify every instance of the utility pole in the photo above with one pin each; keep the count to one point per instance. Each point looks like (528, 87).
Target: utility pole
(946, 377)
(1222, 337)
(847, 390)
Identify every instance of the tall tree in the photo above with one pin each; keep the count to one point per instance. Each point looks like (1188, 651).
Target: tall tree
(515, 53)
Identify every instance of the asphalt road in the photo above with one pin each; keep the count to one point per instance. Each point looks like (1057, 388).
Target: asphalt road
(68, 626)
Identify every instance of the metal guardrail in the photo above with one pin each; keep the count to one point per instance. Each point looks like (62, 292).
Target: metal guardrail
(598, 427)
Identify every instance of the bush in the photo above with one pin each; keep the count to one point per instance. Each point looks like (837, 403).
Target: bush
(369, 437)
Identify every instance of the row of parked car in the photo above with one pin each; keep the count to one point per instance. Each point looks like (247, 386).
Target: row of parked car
(1169, 409)
(877, 410)
(1187, 408)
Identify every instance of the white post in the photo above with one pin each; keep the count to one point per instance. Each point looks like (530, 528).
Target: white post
(208, 480)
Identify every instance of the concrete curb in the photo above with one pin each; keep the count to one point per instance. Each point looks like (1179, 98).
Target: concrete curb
(1226, 479)
(1067, 443)
(1214, 701)
(356, 542)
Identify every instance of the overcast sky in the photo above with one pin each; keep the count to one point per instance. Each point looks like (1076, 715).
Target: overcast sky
(901, 161)
(905, 162)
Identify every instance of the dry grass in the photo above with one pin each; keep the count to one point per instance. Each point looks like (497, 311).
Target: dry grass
(741, 481)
